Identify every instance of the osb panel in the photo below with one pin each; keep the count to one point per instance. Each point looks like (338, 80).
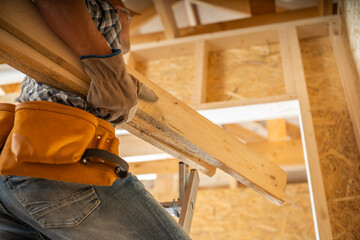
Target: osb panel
(175, 75)
(240, 213)
(252, 72)
(339, 157)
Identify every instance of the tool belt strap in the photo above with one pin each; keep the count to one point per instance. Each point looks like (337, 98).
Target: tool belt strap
(53, 141)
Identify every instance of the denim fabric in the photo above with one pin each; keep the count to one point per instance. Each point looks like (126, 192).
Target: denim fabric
(33, 208)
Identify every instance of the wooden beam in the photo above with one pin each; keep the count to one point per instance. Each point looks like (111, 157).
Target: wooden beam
(276, 129)
(200, 76)
(234, 24)
(191, 14)
(260, 7)
(315, 180)
(163, 7)
(348, 76)
(283, 153)
(168, 123)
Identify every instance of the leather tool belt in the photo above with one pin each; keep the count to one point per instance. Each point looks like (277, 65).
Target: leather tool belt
(53, 141)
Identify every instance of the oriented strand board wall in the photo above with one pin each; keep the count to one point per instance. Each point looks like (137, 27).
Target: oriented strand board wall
(240, 213)
(234, 213)
(173, 74)
(351, 15)
(339, 157)
(235, 74)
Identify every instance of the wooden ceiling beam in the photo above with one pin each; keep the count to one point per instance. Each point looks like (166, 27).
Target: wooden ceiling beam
(234, 24)
(163, 8)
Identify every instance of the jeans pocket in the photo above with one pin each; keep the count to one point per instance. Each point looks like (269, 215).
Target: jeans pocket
(54, 204)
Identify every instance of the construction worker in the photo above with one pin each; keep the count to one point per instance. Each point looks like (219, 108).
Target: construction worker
(46, 207)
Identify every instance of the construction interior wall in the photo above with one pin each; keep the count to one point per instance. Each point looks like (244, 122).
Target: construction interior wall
(351, 18)
(238, 212)
(339, 155)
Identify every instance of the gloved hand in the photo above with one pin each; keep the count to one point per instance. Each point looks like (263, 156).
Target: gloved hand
(112, 90)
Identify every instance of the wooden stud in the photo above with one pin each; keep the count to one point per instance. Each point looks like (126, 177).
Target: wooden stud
(191, 14)
(163, 7)
(315, 180)
(260, 7)
(289, 75)
(200, 76)
(348, 76)
(276, 129)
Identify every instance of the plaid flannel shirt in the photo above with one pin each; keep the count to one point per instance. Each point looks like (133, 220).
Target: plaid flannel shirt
(106, 20)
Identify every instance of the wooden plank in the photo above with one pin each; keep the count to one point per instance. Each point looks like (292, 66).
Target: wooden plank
(234, 24)
(200, 76)
(276, 129)
(168, 123)
(163, 7)
(348, 76)
(315, 180)
(260, 7)
(282, 153)
(289, 78)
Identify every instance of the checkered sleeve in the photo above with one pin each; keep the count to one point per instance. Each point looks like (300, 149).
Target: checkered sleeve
(106, 20)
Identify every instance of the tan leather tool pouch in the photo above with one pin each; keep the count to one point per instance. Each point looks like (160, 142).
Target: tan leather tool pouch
(51, 133)
(48, 141)
(7, 112)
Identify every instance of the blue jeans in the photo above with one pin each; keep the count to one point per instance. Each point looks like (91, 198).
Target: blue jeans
(33, 208)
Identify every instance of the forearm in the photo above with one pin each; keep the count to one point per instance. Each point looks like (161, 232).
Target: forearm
(71, 21)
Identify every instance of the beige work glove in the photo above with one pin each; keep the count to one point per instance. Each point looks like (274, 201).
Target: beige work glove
(112, 90)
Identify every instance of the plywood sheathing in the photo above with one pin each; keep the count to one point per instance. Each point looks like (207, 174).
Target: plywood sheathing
(224, 213)
(253, 72)
(339, 157)
(174, 74)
